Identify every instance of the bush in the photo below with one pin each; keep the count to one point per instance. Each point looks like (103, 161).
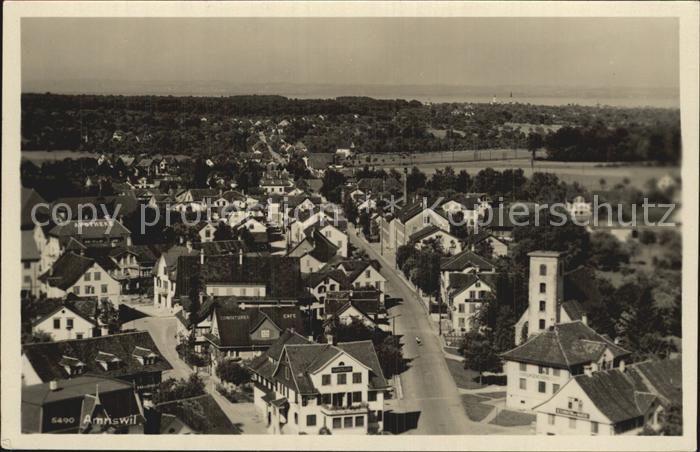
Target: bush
(231, 371)
(172, 389)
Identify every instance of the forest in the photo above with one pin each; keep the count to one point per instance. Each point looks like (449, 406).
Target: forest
(204, 126)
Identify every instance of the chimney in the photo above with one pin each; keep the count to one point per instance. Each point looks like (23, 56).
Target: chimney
(584, 319)
(188, 244)
(53, 385)
(588, 371)
(201, 256)
(181, 240)
(622, 365)
(329, 338)
(240, 256)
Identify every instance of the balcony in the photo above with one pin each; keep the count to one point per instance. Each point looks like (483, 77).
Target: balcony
(353, 408)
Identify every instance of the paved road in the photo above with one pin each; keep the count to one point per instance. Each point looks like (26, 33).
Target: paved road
(163, 330)
(428, 386)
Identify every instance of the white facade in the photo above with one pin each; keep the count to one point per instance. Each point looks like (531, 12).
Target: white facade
(94, 282)
(529, 384)
(65, 324)
(571, 412)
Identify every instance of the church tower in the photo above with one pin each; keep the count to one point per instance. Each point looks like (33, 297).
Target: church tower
(545, 290)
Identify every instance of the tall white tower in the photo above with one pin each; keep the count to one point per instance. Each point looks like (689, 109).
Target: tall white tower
(546, 290)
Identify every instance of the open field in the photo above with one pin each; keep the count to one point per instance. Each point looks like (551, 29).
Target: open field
(588, 174)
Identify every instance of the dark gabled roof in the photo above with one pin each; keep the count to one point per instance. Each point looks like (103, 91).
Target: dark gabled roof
(67, 270)
(563, 346)
(76, 387)
(464, 260)
(102, 256)
(366, 301)
(663, 378)
(93, 229)
(30, 198)
(280, 274)
(324, 249)
(573, 309)
(461, 281)
(365, 352)
(30, 252)
(579, 284)
(46, 356)
(314, 279)
(85, 308)
(199, 194)
(236, 325)
(614, 395)
(425, 232)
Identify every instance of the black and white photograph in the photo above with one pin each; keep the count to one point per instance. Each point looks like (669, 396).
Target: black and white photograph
(326, 220)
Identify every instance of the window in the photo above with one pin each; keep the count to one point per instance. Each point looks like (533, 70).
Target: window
(550, 419)
(337, 422)
(69, 323)
(27, 265)
(359, 421)
(543, 287)
(347, 422)
(325, 380)
(542, 386)
(372, 396)
(79, 335)
(541, 324)
(543, 270)
(357, 377)
(478, 284)
(103, 288)
(472, 294)
(56, 324)
(356, 397)
(572, 423)
(543, 305)
(543, 370)
(27, 279)
(555, 372)
(523, 384)
(265, 333)
(594, 427)
(87, 276)
(367, 273)
(310, 420)
(523, 367)
(555, 388)
(98, 276)
(342, 379)
(461, 307)
(462, 322)
(296, 418)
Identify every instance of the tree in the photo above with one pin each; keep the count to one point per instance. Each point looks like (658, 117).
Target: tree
(390, 356)
(223, 232)
(607, 253)
(415, 180)
(231, 371)
(332, 185)
(174, 389)
(638, 325)
(479, 353)
(109, 316)
(535, 142)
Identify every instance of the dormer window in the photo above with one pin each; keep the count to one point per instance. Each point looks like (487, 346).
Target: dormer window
(108, 361)
(72, 366)
(144, 355)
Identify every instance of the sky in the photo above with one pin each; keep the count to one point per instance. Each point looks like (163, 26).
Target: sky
(69, 54)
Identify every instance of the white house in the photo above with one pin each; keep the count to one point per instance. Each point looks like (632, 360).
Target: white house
(467, 293)
(65, 322)
(448, 242)
(312, 388)
(612, 402)
(80, 275)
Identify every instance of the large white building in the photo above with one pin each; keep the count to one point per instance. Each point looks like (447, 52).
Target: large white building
(557, 347)
(302, 387)
(613, 402)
